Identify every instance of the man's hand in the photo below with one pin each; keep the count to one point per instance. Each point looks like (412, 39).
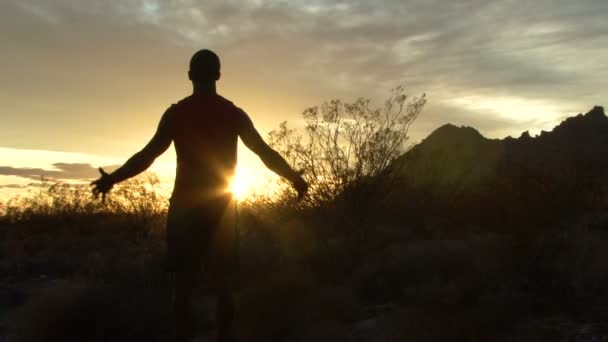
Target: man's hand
(300, 185)
(103, 184)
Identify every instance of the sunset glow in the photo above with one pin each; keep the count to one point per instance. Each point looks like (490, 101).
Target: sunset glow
(239, 187)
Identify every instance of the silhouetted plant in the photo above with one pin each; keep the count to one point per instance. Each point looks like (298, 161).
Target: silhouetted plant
(139, 199)
(346, 145)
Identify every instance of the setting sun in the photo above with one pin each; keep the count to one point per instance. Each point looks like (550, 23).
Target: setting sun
(239, 187)
(252, 178)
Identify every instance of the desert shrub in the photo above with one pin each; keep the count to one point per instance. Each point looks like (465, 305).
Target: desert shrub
(62, 230)
(571, 265)
(139, 195)
(287, 302)
(345, 152)
(74, 310)
(348, 145)
(139, 201)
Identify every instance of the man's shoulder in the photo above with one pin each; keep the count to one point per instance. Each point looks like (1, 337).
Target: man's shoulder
(226, 102)
(192, 99)
(239, 113)
(186, 100)
(215, 103)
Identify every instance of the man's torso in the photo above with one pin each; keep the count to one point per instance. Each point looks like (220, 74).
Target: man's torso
(205, 135)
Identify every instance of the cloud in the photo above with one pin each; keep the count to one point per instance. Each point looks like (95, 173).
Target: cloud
(62, 171)
(69, 65)
(20, 186)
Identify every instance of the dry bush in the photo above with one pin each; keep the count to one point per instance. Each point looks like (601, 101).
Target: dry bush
(287, 302)
(345, 153)
(570, 271)
(139, 198)
(72, 310)
(63, 230)
(347, 145)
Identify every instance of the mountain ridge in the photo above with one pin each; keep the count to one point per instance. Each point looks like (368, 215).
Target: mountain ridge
(595, 116)
(554, 173)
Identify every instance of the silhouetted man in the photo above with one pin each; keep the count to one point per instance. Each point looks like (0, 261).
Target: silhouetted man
(204, 128)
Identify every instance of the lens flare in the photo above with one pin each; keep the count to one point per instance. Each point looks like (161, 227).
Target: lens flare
(239, 187)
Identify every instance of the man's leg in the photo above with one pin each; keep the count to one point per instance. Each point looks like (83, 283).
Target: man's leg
(185, 282)
(224, 313)
(220, 268)
(181, 260)
(220, 265)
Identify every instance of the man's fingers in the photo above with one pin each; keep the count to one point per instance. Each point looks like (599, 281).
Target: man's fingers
(97, 192)
(101, 185)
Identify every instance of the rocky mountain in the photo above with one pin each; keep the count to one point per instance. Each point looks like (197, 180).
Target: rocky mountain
(457, 171)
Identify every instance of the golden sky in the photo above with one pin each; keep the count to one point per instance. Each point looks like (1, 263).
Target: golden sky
(86, 81)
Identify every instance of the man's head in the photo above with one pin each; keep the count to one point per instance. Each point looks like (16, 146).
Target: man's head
(204, 67)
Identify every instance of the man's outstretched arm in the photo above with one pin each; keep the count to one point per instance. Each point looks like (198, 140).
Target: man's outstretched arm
(271, 158)
(139, 162)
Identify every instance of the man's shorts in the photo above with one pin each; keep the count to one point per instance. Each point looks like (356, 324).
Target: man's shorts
(202, 235)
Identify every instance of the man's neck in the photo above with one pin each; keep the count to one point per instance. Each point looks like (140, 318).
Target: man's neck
(206, 88)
